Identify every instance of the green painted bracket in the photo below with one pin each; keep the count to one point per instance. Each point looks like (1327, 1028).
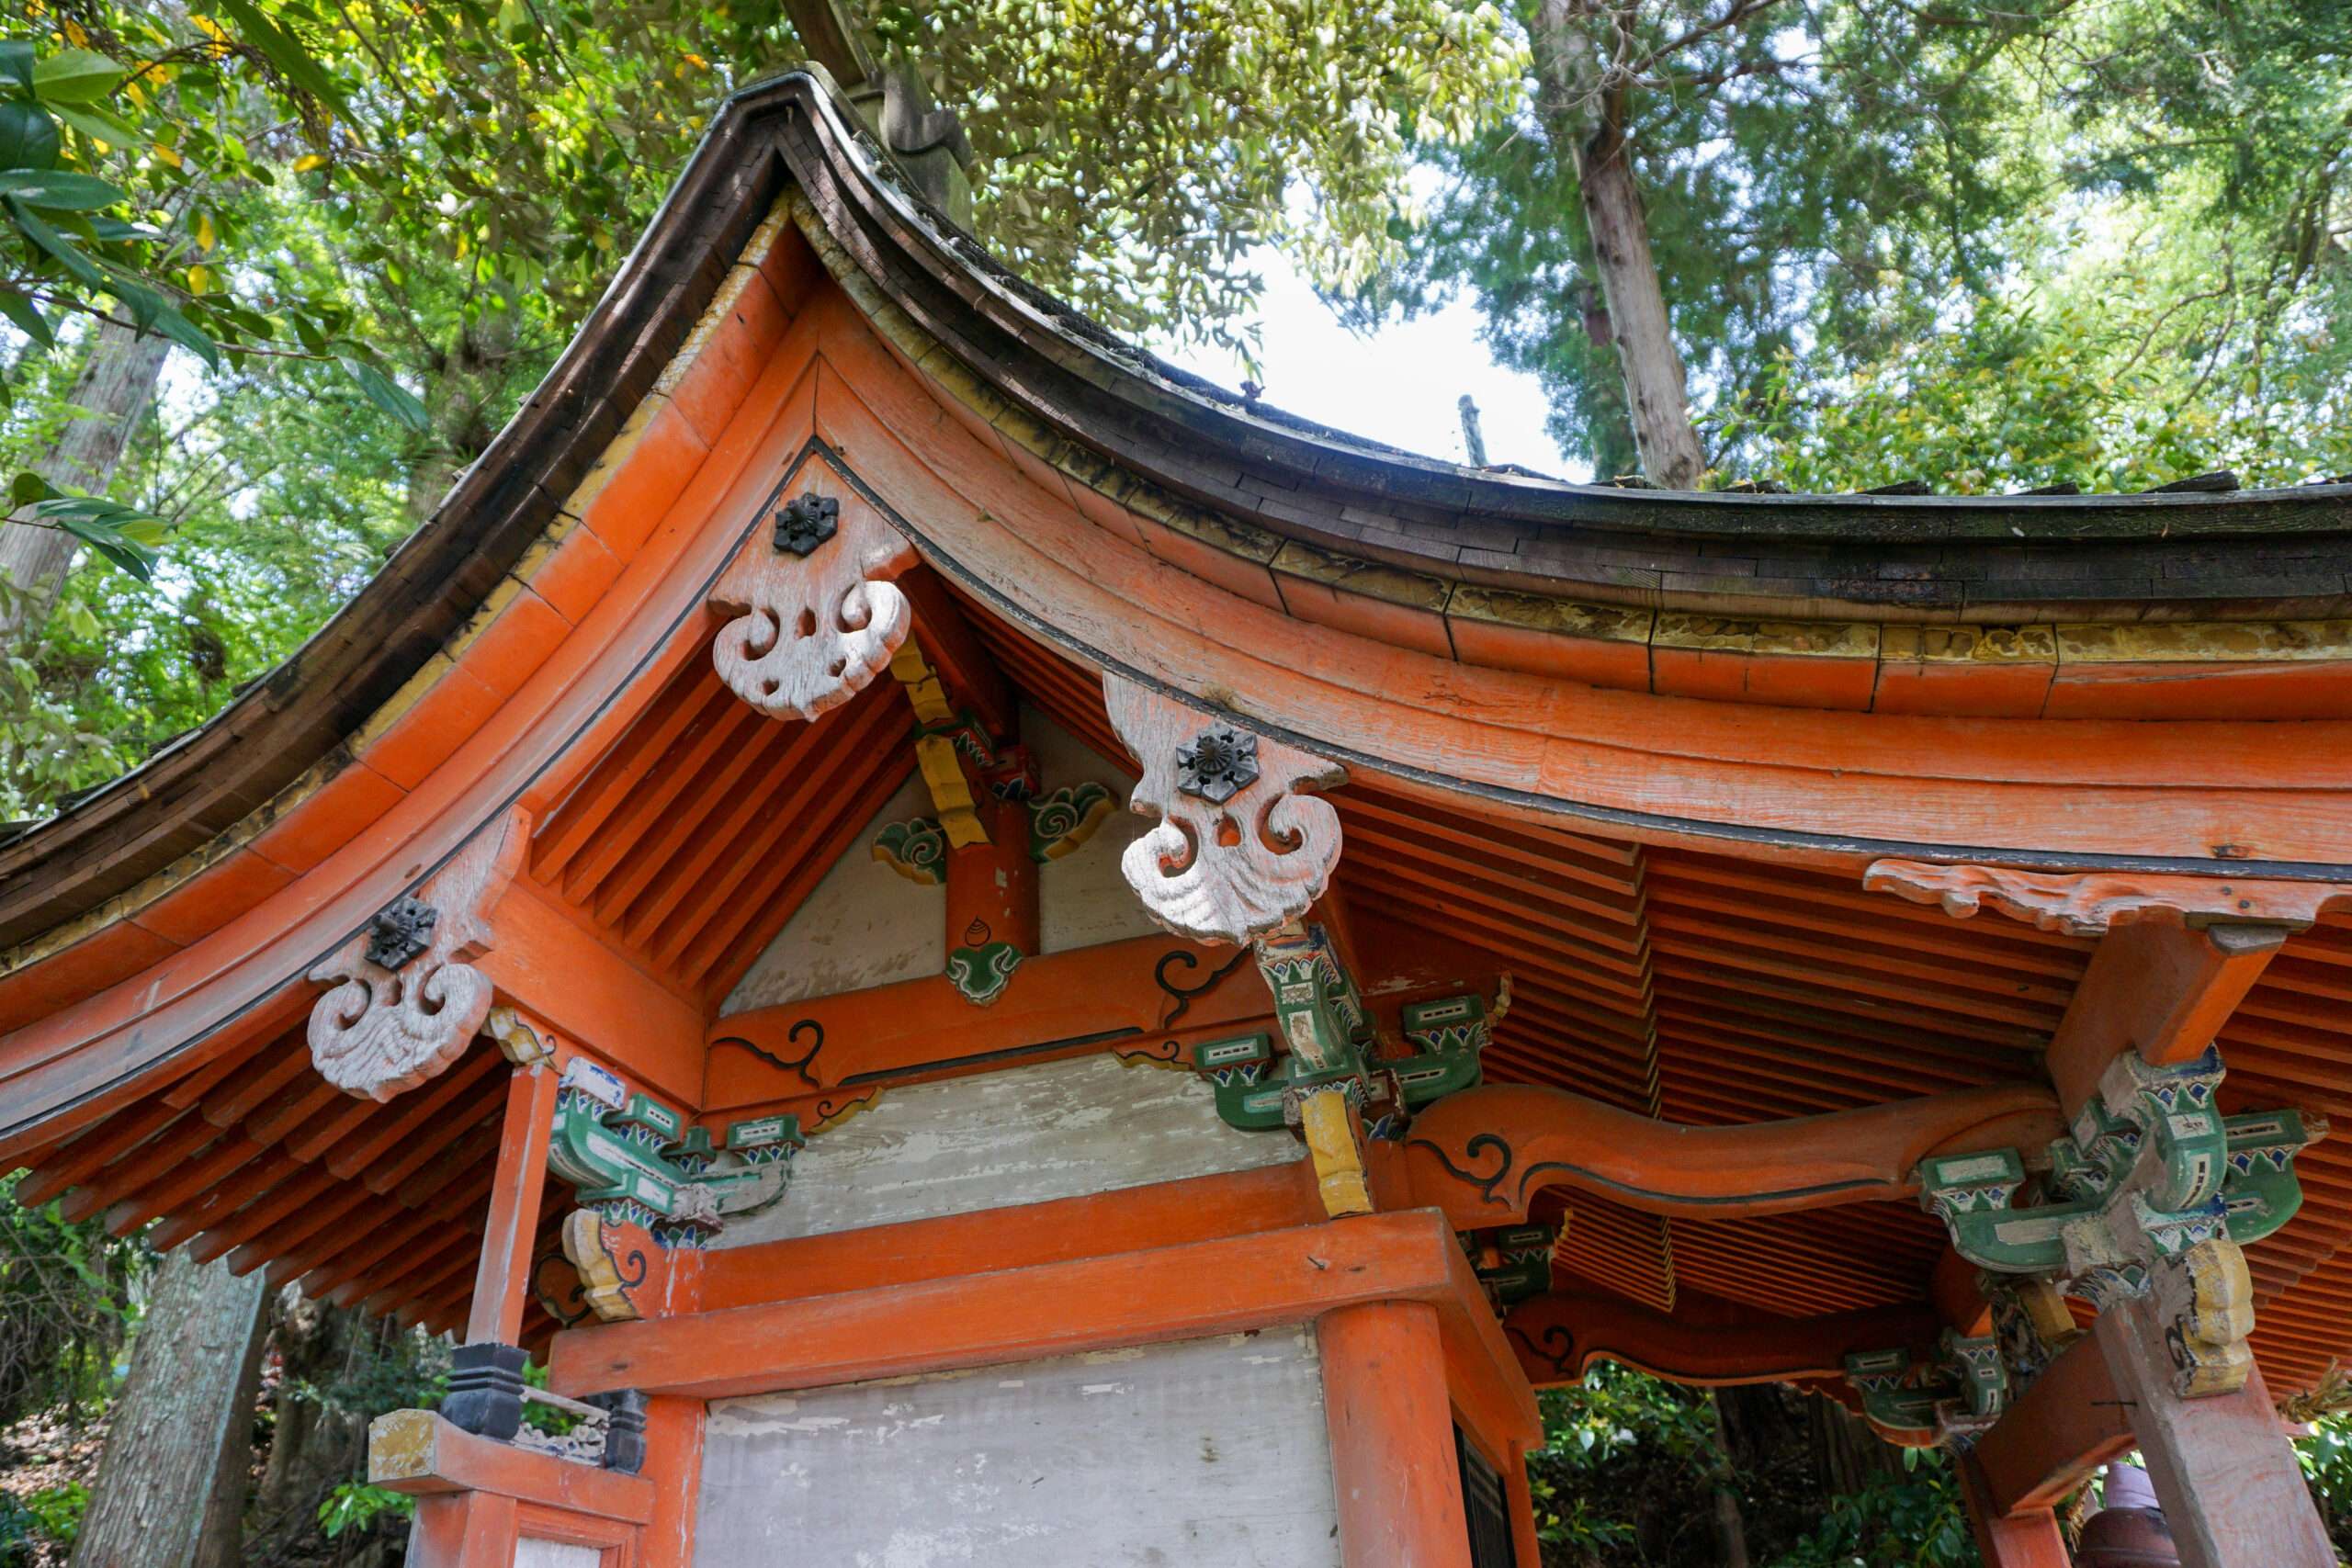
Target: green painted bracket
(633, 1157)
(980, 973)
(1315, 1004)
(2255, 1193)
(1523, 1266)
(1959, 1393)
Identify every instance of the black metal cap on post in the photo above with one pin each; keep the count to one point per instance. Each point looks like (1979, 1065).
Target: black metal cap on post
(486, 1389)
(625, 1433)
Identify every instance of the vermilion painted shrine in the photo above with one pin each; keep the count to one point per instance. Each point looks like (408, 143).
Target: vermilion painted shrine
(990, 950)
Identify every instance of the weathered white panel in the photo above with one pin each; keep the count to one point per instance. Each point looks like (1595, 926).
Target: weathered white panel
(1025, 1136)
(1083, 898)
(530, 1552)
(1210, 1453)
(865, 925)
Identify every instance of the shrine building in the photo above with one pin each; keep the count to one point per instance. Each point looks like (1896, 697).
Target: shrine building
(996, 955)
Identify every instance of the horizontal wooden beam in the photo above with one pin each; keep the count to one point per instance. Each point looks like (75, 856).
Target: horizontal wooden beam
(2067, 1423)
(1233, 1285)
(1133, 993)
(1558, 1335)
(418, 1452)
(1483, 1155)
(1135, 1219)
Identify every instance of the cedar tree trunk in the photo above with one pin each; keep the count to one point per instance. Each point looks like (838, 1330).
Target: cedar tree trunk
(113, 391)
(1584, 108)
(171, 1484)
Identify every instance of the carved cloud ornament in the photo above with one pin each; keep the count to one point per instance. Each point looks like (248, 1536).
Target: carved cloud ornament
(2089, 903)
(815, 616)
(1239, 852)
(406, 1003)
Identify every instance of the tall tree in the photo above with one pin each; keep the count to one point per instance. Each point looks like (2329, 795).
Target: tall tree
(1693, 187)
(171, 1484)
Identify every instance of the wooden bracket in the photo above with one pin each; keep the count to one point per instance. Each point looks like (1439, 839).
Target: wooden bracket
(1239, 852)
(406, 1002)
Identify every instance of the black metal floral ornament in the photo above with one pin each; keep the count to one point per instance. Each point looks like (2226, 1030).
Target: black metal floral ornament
(806, 521)
(1218, 764)
(401, 932)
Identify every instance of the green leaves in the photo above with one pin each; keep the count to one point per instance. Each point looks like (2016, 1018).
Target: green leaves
(74, 76)
(59, 191)
(123, 534)
(286, 53)
(386, 394)
(28, 136)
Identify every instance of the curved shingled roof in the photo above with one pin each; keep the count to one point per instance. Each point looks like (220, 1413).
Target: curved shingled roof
(1388, 523)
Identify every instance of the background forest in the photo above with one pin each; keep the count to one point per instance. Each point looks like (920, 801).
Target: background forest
(273, 272)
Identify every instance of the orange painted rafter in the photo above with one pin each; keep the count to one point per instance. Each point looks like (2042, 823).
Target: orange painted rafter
(716, 957)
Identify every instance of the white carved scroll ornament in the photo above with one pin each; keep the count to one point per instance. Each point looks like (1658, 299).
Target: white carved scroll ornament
(406, 1001)
(2089, 903)
(815, 616)
(1237, 852)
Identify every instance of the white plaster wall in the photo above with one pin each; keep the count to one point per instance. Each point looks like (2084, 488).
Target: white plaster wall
(1024, 1135)
(1209, 1453)
(530, 1552)
(1083, 898)
(864, 925)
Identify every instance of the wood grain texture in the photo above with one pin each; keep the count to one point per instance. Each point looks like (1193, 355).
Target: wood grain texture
(2231, 1491)
(1206, 1453)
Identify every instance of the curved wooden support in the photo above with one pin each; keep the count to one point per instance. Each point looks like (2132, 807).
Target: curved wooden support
(1558, 1335)
(1481, 1154)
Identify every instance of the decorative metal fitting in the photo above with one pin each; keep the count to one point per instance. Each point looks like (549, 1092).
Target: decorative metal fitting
(805, 523)
(401, 932)
(1218, 764)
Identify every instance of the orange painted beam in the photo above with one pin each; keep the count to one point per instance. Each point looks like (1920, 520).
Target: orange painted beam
(1482, 1154)
(2068, 1422)
(1062, 1004)
(1167, 1213)
(552, 967)
(418, 1452)
(2159, 986)
(1393, 1464)
(1231, 1285)
(1559, 1335)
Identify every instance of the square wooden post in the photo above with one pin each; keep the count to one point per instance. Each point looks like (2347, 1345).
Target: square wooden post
(503, 1277)
(463, 1530)
(1526, 1544)
(1392, 1463)
(2221, 1465)
(2028, 1538)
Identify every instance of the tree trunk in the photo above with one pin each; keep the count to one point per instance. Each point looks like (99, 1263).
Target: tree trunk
(171, 1485)
(1731, 1533)
(314, 1447)
(112, 392)
(1846, 1451)
(1584, 110)
(1608, 432)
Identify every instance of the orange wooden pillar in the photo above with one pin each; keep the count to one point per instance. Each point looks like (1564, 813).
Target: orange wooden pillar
(463, 1530)
(2028, 1538)
(1526, 1544)
(1393, 1464)
(502, 1278)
